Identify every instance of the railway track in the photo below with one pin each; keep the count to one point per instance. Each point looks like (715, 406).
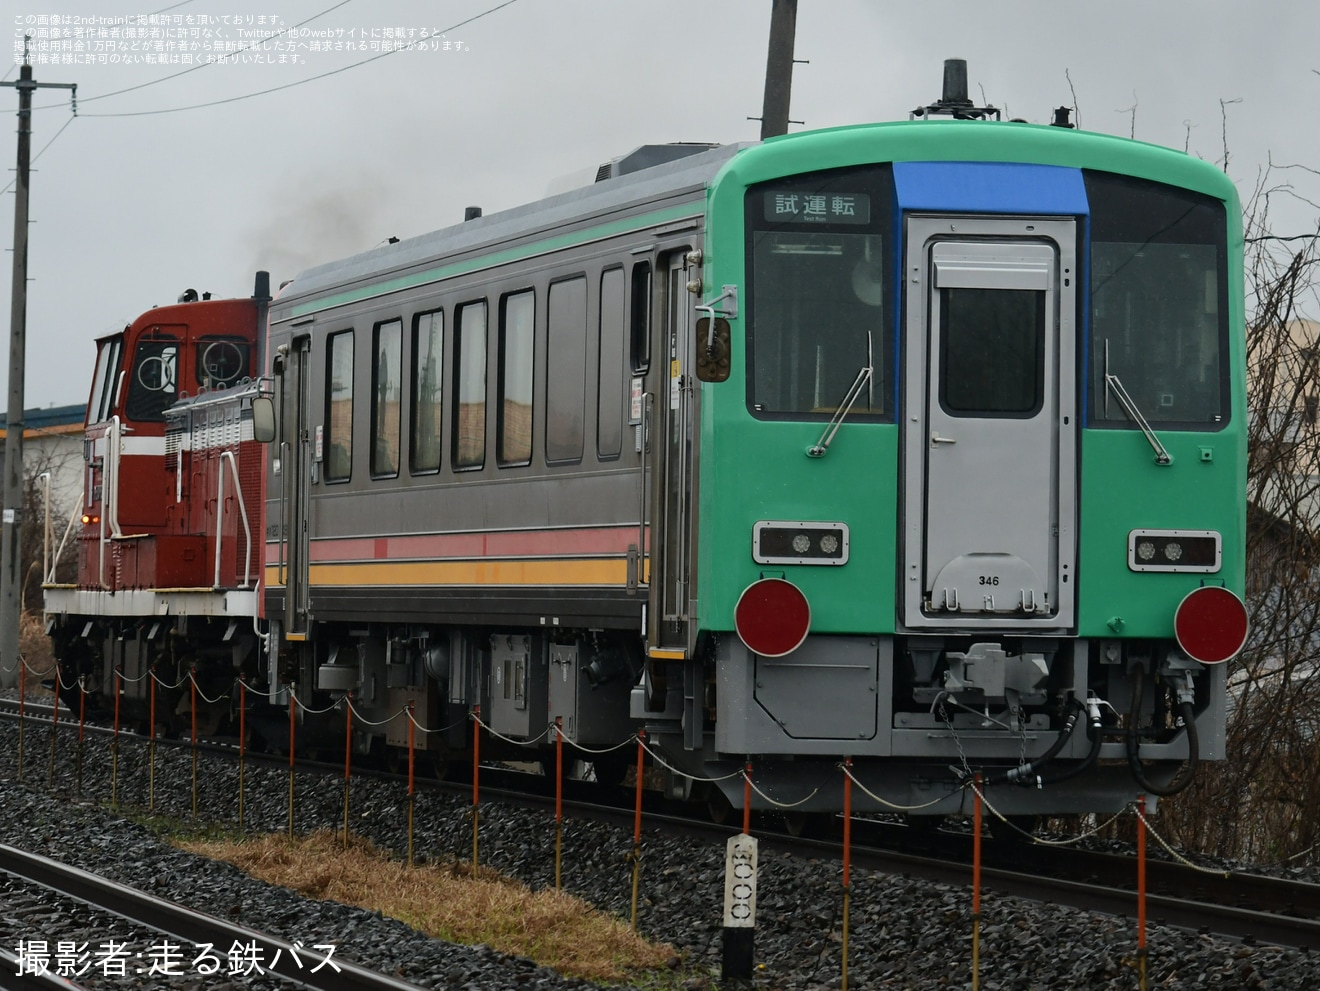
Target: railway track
(312, 968)
(1251, 907)
(12, 980)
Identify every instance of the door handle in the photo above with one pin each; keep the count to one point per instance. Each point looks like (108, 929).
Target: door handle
(937, 439)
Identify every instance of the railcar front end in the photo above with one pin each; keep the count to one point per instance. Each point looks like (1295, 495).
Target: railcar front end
(969, 472)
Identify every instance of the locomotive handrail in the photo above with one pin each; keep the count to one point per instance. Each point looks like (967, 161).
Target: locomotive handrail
(109, 494)
(219, 511)
(73, 518)
(44, 478)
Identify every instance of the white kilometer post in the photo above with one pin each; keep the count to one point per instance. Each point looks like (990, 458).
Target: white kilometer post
(739, 906)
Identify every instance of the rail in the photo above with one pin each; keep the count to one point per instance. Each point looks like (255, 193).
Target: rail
(304, 967)
(228, 456)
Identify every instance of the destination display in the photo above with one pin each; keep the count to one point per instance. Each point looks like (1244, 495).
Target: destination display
(817, 208)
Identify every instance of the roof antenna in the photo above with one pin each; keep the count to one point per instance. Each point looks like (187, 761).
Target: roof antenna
(955, 103)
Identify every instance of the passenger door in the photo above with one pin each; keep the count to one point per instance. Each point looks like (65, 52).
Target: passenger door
(990, 423)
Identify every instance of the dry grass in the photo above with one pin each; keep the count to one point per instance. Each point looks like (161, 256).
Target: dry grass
(34, 648)
(554, 929)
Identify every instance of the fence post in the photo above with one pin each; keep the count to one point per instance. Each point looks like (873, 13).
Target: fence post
(114, 745)
(242, 743)
(637, 827)
(292, 717)
(54, 725)
(976, 882)
(476, 768)
(412, 727)
(151, 744)
(348, 757)
(192, 691)
(1141, 892)
(847, 860)
(559, 797)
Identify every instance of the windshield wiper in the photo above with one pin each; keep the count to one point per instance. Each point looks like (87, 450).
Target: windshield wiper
(1162, 456)
(863, 379)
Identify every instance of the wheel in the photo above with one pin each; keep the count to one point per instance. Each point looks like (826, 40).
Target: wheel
(1015, 828)
(718, 806)
(611, 769)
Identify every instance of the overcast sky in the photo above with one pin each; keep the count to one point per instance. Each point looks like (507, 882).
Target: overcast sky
(131, 206)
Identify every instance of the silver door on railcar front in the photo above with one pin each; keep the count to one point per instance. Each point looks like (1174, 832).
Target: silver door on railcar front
(296, 459)
(671, 518)
(989, 417)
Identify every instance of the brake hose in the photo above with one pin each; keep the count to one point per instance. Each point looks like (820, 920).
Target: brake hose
(1188, 770)
(1028, 774)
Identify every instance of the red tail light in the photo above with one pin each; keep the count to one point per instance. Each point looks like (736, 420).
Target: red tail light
(1210, 624)
(772, 617)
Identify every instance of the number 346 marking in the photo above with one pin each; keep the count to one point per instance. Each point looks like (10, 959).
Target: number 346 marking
(989, 579)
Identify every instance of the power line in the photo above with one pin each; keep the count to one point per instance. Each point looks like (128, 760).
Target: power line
(72, 118)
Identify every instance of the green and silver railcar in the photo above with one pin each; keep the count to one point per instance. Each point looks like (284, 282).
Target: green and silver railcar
(919, 444)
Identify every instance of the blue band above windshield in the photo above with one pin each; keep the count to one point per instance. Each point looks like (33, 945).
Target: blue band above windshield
(990, 187)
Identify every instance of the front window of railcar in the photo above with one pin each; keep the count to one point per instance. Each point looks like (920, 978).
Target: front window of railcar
(820, 293)
(1159, 303)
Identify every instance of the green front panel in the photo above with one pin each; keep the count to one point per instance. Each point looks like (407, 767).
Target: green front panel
(1122, 489)
(756, 470)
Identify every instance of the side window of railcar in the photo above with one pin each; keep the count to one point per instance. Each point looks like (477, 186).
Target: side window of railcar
(609, 371)
(566, 362)
(428, 358)
(1159, 302)
(820, 293)
(513, 440)
(338, 438)
(386, 388)
(221, 361)
(639, 319)
(469, 444)
(154, 378)
(106, 380)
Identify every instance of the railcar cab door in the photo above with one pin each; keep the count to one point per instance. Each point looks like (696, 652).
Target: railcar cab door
(989, 423)
(671, 450)
(293, 455)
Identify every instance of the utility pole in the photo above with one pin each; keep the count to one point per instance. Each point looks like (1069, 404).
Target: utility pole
(11, 534)
(779, 69)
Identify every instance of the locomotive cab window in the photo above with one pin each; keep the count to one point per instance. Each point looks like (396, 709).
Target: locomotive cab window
(154, 379)
(106, 380)
(821, 293)
(1159, 303)
(221, 361)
